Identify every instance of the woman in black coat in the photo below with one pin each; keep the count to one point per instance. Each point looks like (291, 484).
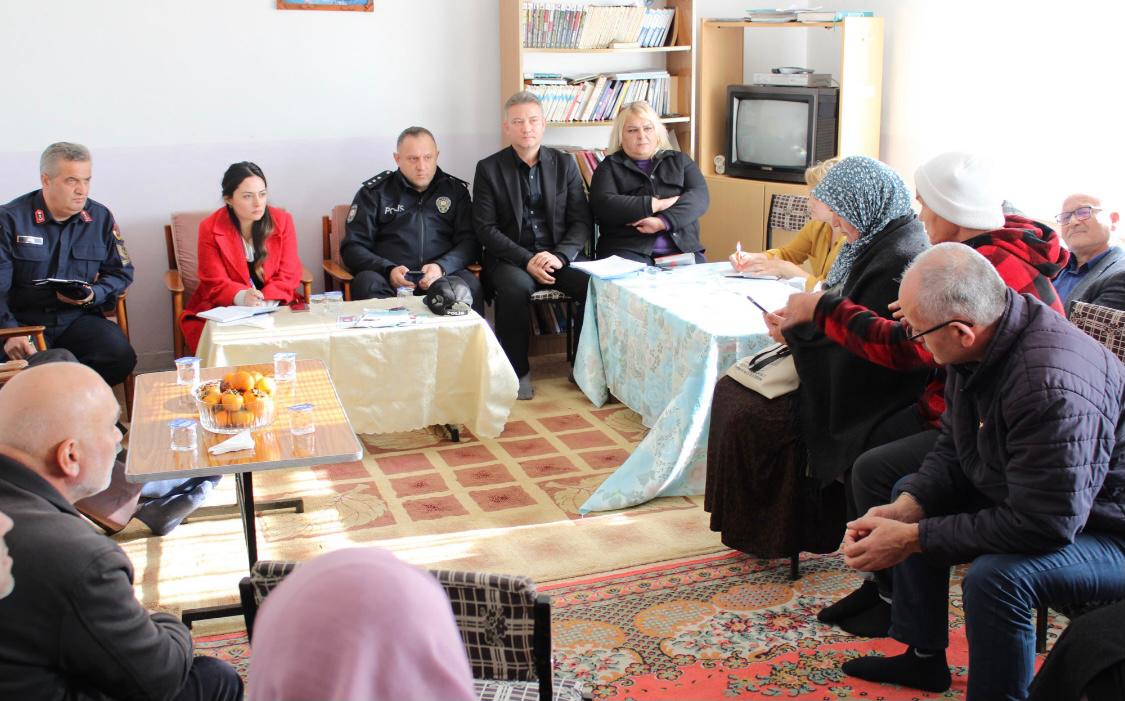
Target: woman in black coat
(774, 465)
(647, 198)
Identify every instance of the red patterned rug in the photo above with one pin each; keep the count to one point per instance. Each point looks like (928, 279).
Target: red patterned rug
(721, 627)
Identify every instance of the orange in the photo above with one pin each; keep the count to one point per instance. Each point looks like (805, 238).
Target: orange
(266, 385)
(241, 381)
(241, 419)
(232, 401)
(262, 406)
(221, 418)
(211, 397)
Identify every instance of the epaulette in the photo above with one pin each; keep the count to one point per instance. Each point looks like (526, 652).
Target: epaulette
(455, 179)
(374, 182)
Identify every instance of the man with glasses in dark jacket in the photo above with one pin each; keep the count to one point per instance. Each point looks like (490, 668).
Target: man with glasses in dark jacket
(1026, 481)
(1094, 273)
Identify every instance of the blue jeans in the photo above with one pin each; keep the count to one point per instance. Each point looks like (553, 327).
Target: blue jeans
(1000, 592)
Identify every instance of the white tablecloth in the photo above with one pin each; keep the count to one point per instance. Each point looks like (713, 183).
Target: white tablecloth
(441, 370)
(658, 342)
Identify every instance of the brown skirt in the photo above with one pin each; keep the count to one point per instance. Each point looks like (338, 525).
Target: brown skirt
(758, 494)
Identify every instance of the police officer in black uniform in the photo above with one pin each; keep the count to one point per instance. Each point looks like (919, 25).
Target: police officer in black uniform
(409, 227)
(58, 232)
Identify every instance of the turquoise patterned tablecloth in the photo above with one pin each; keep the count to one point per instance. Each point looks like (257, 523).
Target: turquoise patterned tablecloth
(658, 342)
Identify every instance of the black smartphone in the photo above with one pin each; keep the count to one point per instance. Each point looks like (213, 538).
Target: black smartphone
(755, 303)
(414, 276)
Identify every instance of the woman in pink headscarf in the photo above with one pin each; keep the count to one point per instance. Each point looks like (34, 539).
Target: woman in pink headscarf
(358, 624)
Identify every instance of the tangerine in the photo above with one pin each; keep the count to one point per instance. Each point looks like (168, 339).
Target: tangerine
(266, 385)
(232, 401)
(241, 381)
(241, 419)
(262, 407)
(221, 418)
(211, 397)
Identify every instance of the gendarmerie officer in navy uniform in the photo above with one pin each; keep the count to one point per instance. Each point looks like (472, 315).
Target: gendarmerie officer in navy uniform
(58, 232)
(417, 219)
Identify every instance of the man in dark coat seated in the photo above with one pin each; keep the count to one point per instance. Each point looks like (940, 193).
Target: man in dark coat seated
(1026, 481)
(71, 627)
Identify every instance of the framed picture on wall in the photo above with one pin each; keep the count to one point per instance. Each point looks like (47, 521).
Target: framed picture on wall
(353, 5)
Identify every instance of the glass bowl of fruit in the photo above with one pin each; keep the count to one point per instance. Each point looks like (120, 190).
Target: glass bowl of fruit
(240, 401)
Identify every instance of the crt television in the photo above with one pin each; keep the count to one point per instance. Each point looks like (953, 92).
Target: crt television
(775, 132)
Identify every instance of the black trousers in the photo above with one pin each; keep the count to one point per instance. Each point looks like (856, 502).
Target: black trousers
(512, 287)
(94, 341)
(875, 473)
(368, 284)
(211, 679)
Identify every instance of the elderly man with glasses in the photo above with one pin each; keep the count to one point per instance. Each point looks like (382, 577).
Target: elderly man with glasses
(1096, 271)
(1025, 482)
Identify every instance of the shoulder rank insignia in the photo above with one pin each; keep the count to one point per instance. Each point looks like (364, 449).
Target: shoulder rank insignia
(117, 233)
(374, 182)
(443, 204)
(455, 179)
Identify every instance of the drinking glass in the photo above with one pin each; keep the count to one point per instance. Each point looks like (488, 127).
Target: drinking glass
(187, 377)
(333, 300)
(318, 304)
(183, 435)
(301, 419)
(284, 367)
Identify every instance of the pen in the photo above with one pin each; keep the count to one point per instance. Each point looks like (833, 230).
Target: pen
(737, 249)
(755, 303)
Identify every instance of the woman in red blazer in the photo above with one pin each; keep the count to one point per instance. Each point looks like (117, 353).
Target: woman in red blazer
(247, 251)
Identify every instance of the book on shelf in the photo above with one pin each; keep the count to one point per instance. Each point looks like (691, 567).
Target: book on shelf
(599, 99)
(547, 25)
(587, 160)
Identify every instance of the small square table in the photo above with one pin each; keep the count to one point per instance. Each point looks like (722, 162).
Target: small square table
(158, 400)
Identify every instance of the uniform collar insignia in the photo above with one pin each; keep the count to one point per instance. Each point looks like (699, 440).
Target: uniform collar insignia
(40, 216)
(85, 216)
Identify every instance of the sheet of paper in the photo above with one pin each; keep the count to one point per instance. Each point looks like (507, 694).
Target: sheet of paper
(607, 268)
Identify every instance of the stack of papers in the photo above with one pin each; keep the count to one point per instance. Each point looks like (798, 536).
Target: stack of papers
(229, 315)
(608, 268)
(377, 319)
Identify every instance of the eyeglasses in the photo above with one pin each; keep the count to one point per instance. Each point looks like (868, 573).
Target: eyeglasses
(1081, 214)
(942, 325)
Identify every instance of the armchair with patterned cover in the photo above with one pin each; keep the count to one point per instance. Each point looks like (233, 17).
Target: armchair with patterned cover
(504, 623)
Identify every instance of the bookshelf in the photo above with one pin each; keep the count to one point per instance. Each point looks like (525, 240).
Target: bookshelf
(729, 52)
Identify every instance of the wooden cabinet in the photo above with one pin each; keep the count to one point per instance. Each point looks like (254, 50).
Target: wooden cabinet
(729, 51)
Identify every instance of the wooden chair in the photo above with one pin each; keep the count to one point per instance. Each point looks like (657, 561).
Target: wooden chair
(1107, 327)
(120, 315)
(336, 276)
(181, 239)
(504, 623)
(10, 368)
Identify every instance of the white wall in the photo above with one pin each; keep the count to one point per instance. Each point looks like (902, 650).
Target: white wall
(1035, 85)
(167, 93)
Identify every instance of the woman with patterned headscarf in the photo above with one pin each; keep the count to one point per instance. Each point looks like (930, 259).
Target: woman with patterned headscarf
(775, 466)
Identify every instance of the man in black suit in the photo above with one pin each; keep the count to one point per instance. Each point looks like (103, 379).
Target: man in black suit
(531, 215)
(71, 627)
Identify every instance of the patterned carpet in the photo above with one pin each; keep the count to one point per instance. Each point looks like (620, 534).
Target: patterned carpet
(724, 626)
(507, 505)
